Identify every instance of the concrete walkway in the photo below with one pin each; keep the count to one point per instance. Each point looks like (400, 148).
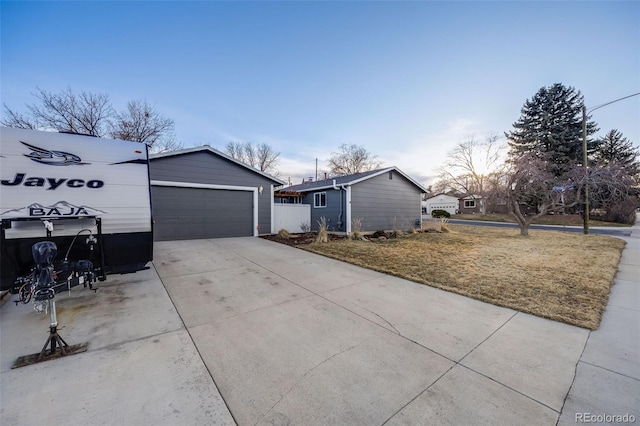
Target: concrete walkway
(607, 378)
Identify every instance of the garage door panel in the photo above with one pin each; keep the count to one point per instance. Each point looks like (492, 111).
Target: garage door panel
(193, 213)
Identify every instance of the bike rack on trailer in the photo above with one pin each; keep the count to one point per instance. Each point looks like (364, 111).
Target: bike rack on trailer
(7, 223)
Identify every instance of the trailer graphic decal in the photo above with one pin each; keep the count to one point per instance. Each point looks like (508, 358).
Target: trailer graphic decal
(53, 158)
(61, 208)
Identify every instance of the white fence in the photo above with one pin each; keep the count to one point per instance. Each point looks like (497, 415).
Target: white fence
(291, 217)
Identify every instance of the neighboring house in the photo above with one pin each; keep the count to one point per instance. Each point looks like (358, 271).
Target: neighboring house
(474, 204)
(383, 199)
(202, 193)
(460, 204)
(470, 205)
(445, 202)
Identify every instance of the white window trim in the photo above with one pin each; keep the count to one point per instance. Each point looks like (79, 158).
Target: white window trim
(472, 204)
(314, 200)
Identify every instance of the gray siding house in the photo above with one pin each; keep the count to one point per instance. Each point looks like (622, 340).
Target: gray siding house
(383, 199)
(202, 193)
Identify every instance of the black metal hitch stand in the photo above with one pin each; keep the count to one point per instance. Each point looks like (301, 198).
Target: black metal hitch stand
(54, 337)
(44, 252)
(57, 346)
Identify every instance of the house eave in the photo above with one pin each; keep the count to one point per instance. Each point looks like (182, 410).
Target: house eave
(329, 184)
(207, 148)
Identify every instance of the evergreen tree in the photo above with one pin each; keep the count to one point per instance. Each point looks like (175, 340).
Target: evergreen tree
(550, 128)
(615, 149)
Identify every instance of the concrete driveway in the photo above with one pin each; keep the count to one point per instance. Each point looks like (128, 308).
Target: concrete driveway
(141, 367)
(260, 333)
(290, 337)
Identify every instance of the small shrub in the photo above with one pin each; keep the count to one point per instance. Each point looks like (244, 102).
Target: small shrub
(323, 236)
(440, 213)
(397, 226)
(305, 226)
(394, 223)
(622, 212)
(283, 233)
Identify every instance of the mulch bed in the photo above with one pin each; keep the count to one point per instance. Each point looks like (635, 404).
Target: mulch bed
(295, 240)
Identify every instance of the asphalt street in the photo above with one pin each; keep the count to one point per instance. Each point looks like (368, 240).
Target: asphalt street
(601, 230)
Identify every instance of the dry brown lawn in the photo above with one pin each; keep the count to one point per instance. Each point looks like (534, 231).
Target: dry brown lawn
(560, 276)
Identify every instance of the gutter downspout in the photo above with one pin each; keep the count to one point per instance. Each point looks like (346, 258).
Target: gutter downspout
(341, 188)
(348, 210)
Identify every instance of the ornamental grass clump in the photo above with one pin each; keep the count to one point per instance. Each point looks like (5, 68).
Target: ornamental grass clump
(323, 235)
(283, 233)
(356, 229)
(443, 224)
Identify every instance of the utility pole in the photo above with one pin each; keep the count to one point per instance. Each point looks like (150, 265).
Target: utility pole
(585, 159)
(585, 162)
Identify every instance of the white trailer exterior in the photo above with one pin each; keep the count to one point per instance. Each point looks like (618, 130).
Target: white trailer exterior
(73, 182)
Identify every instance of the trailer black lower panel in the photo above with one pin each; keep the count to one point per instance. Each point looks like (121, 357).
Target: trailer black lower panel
(113, 254)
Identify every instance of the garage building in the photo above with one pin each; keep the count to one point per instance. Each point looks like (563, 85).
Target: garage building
(203, 193)
(441, 202)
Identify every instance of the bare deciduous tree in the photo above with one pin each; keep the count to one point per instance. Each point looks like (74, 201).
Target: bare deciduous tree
(473, 169)
(86, 113)
(142, 123)
(267, 159)
(92, 114)
(352, 159)
(165, 144)
(260, 156)
(236, 150)
(531, 183)
(17, 120)
(613, 189)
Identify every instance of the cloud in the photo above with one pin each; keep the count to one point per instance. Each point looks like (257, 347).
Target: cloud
(421, 157)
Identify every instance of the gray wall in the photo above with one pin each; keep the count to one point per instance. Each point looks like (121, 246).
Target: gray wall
(208, 168)
(379, 200)
(331, 212)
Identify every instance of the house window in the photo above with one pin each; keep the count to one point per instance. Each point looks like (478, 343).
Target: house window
(320, 199)
(469, 204)
(391, 175)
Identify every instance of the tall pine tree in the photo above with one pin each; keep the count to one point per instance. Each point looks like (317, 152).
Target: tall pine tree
(550, 128)
(616, 149)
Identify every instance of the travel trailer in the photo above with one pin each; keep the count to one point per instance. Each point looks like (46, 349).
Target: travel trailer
(89, 196)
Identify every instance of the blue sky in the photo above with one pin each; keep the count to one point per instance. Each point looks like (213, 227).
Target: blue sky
(407, 80)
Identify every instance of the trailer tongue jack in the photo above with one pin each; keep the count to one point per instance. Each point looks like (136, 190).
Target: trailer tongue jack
(44, 253)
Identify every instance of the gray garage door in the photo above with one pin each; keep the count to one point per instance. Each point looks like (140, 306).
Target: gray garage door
(192, 213)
